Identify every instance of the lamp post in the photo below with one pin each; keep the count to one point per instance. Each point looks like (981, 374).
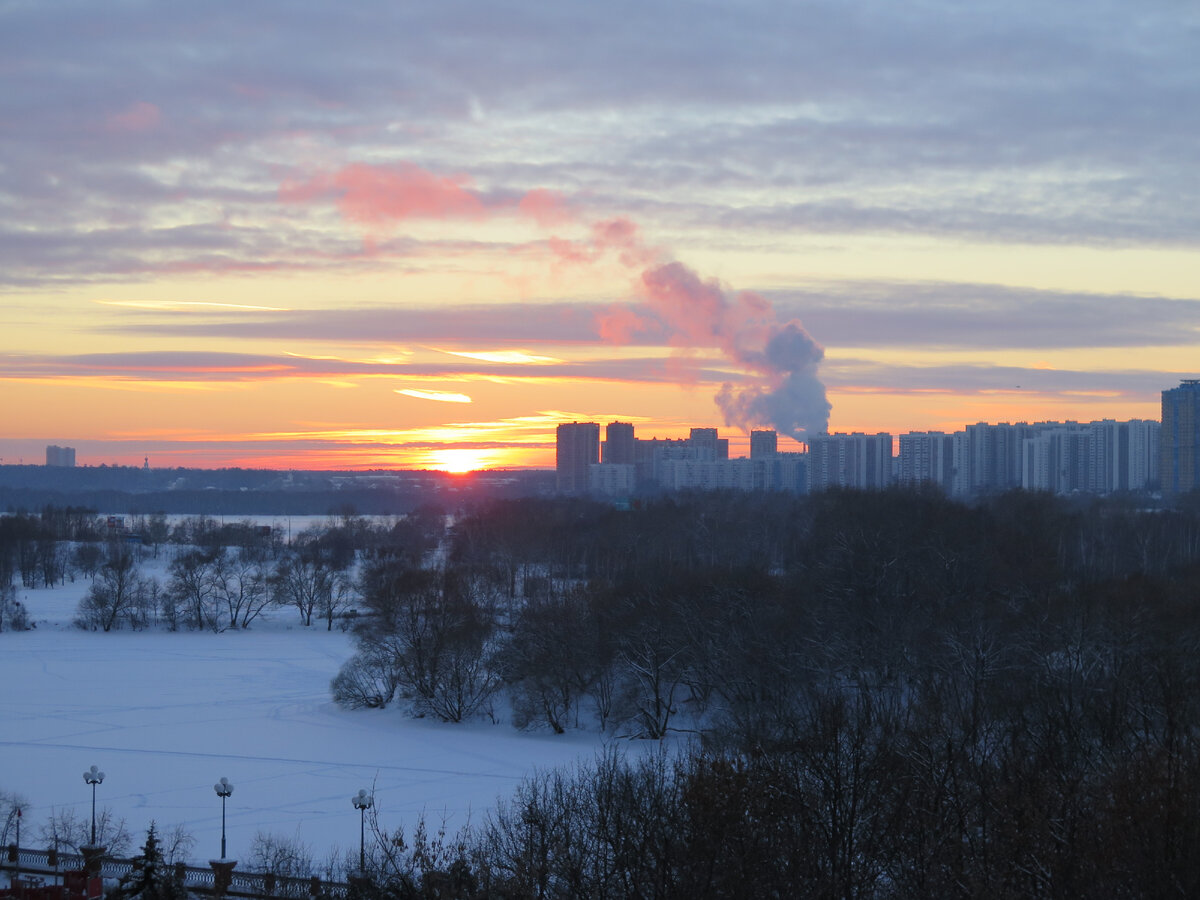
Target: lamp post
(224, 788)
(93, 776)
(362, 802)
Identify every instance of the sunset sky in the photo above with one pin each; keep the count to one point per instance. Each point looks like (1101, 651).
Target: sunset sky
(319, 235)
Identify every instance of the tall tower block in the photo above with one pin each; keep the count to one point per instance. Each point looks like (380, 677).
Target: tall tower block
(1179, 439)
(577, 447)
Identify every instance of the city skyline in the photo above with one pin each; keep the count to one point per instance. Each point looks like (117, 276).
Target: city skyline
(380, 237)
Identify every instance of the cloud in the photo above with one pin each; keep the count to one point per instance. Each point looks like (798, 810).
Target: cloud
(545, 207)
(375, 196)
(505, 356)
(382, 196)
(210, 368)
(869, 376)
(188, 305)
(919, 116)
(914, 315)
(440, 396)
(619, 237)
(467, 326)
(140, 116)
(982, 316)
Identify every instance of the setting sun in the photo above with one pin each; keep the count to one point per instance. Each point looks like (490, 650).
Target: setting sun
(464, 459)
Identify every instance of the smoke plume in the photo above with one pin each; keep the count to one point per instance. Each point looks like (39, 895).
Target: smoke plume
(780, 388)
(778, 361)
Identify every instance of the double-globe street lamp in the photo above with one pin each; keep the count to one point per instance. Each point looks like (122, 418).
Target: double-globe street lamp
(224, 788)
(93, 776)
(362, 802)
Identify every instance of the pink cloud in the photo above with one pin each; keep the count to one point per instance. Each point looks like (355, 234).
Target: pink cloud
(692, 309)
(574, 252)
(619, 324)
(619, 236)
(547, 208)
(378, 195)
(140, 116)
(624, 237)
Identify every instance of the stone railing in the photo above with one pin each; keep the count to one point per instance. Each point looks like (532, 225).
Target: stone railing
(200, 879)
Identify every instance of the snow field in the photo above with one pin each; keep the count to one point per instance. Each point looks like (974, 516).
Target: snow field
(164, 715)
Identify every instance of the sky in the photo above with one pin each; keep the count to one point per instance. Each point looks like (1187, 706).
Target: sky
(307, 235)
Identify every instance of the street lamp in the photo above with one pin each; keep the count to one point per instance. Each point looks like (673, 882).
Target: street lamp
(362, 802)
(224, 788)
(93, 776)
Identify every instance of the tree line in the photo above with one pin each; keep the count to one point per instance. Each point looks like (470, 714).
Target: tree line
(220, 575)
(886, 694)
(882, 694)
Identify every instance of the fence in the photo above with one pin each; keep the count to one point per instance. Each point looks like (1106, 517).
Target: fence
(40, 863)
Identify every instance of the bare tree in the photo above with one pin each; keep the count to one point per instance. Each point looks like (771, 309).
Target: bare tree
(11, 805)
(156, 530)
(193, 588)
(339, 598)
(176, 844)
(13, 615)
(52, 559)
(433, 645)
(305, 581)
(242, 585)
(112, 598)
(370, 678)
(284, 857)
(66, 829)
(87, 558)
(549, 660)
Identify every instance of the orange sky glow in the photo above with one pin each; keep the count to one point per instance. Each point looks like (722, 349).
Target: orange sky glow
(268, 260)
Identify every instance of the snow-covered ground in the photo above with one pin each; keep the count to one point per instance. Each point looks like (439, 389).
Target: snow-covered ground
(165, 715)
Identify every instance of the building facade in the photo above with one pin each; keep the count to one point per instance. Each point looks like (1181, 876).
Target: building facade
(619, 444)
(763, 443)
(850, 461)
(60, 456)
(577, 446)
(1179, 462)
(926, 457)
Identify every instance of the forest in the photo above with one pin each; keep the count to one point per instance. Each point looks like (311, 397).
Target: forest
(886, 694)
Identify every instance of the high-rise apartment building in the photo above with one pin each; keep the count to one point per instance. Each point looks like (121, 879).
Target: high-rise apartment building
(988, 457)
(60, 456)
(577, 447)
(612, 479)
(707, 439)
(763, 443)
(1179, 439)
(926, 457)
(1144, 437)
(1124, 455)
(1059, 457)
(849, 460)
(619, 444)
(1099, 457)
